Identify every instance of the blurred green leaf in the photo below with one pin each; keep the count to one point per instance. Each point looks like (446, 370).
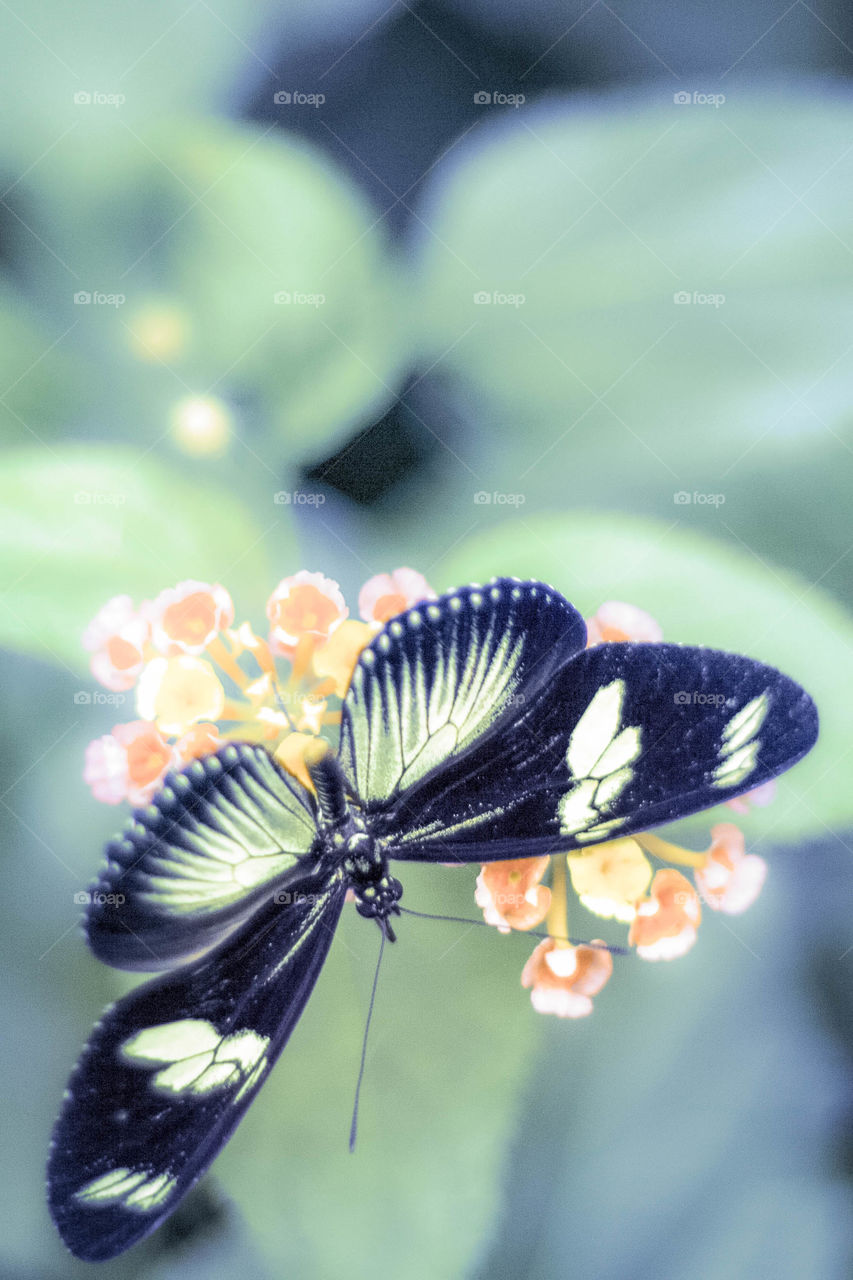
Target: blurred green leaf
(81, 524)
(701, 592)
(233, 260)
(600, 385)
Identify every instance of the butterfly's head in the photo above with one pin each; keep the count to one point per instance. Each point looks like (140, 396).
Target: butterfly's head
(377, 892)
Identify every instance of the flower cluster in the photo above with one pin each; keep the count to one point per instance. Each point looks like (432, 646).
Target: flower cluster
(615, 880)
(200, 682)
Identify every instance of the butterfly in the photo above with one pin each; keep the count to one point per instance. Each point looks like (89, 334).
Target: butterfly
(476, 727)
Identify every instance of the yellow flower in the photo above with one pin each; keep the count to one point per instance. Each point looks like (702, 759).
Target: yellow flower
(177, 692)
(610, 878)
(340, 653)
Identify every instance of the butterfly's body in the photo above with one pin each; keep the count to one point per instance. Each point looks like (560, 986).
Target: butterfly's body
(348, 843)
(476, 727)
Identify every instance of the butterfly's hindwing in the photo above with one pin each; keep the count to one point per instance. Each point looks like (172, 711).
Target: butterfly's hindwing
(448, 675)
(191, 866)
(171, 1068)
(623, 737)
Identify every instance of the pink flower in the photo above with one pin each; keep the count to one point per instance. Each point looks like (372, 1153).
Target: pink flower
(564, 978)
(387, 594)
(116, 637)
(128, 764)
(731, 879)
(759, 796)
(188, 617)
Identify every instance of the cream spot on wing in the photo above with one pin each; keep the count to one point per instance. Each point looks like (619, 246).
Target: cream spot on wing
(195, 1059)
(739, 747)
(133, 1189)
(599, 757)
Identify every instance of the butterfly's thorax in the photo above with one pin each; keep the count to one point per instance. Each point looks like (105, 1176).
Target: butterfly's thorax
(362, 855)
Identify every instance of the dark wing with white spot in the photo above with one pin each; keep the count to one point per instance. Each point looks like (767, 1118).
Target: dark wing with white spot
(446, 677)
(623, 738)
(170, 1070)
(196, 862)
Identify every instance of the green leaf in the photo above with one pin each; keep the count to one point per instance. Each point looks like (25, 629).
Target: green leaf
(208, 224)
(600, 385)
(81, 524)
(701, 592)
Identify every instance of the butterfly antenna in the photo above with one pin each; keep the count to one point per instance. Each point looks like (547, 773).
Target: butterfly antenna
(521, 933)
(354, 1126)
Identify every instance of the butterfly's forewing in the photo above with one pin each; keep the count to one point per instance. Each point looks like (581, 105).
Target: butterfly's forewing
(171, 1068)
(621, 737)
(191, 866)
(446, 677)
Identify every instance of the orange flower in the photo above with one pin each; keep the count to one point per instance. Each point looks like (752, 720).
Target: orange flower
(116, 637)
(666, 922)
(759, 796)
(304, 604)
(564, 979)
(731, 879)
(615, 621)
(201, 739)
(177, 692)
(186, 618)
(128, 764)
(510, 895)
(387, 594)
(338, 656)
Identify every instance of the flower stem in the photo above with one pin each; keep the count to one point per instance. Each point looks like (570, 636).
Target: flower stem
(557, 919)
(670, 852)
(220, 655)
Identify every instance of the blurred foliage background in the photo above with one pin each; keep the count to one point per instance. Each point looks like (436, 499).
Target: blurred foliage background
(560, 290)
